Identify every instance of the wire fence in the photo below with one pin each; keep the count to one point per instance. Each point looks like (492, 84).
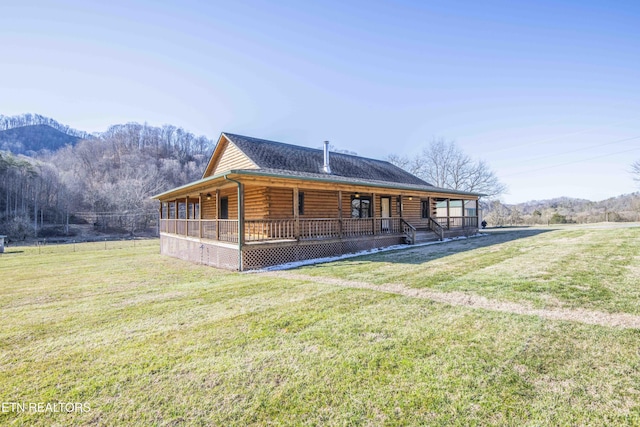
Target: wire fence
(43, 247)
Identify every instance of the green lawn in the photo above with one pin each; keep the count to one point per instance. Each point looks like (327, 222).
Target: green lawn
(576, 267)
(143, 339)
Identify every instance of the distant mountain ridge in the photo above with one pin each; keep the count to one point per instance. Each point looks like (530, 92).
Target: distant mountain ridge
(31, 133)
(560, 210)
(34, 138)
(618, 203)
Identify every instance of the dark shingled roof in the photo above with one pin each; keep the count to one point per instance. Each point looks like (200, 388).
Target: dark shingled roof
(271, 155)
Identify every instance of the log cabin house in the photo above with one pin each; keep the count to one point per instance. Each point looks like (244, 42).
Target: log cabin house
(262, 203)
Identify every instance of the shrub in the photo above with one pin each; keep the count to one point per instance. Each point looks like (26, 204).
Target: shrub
(18, 228)
(556, 218)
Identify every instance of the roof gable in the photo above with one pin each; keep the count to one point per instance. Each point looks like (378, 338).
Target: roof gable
(271, 155)
(227, 156)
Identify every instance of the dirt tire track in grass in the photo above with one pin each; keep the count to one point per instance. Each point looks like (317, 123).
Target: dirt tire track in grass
(590, 317)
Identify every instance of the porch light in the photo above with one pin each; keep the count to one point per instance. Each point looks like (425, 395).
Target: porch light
(410, 197)
(357, 195)
(208, 196)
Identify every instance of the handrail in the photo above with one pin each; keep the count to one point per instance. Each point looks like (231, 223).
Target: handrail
(319, 228)
(436, 228)
(262, 230)
(272, 229)
(409, 231)
(453, 222)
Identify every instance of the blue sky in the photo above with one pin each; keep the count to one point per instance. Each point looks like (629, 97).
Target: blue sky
(546, 92)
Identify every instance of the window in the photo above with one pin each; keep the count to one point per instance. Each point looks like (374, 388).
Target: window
(300, 203)
(424, 207)
(470, 208)
(224, 208)
(455, 207)
(361, 207)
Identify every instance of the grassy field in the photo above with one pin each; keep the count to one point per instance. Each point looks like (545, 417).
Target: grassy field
(142, 339)
(594, 268)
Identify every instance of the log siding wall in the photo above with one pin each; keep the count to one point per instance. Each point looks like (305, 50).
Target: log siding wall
(256, 202)
(209, 207)
(280, 203)
(232, 158)
(320, 204)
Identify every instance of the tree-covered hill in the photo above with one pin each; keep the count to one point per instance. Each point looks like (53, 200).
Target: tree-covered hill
(562, 210)
(51, 175)
(34, 138)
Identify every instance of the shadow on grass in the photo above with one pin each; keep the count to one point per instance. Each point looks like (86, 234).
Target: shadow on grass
(414, 255)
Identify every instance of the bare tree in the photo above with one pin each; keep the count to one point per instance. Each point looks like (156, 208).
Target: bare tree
(635, 170)
(497, 214)
(515, 216)
(635, 207)
(444, 165)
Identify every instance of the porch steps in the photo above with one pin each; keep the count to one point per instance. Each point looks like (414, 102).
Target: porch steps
(423, 236)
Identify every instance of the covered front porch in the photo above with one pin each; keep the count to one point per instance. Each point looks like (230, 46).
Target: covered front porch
(312, 215)
(265, 224)
(265, 230)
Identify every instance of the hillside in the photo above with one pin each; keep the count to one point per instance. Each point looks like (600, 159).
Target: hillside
(59, 182)
(625, 207)
(572, 206)
(34, 138)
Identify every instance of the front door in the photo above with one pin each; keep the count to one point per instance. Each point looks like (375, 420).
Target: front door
(385, 204)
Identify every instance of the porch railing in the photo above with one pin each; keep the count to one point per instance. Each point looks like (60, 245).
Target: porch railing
(389, 225)
(225, 230)
(257, 230)
(352, 227)
(436, 228)
(457, 222)
(193, 227)
(322, 228)
(409, 232)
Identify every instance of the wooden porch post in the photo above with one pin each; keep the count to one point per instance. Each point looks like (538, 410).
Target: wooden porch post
(296, 213)
(186, 216)
(175, 214)
(464, 225)
(240, 217)
(374, 208)
(217, 214)
(340, 213)
(448, 215)
(401, 207)
(200, 215)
